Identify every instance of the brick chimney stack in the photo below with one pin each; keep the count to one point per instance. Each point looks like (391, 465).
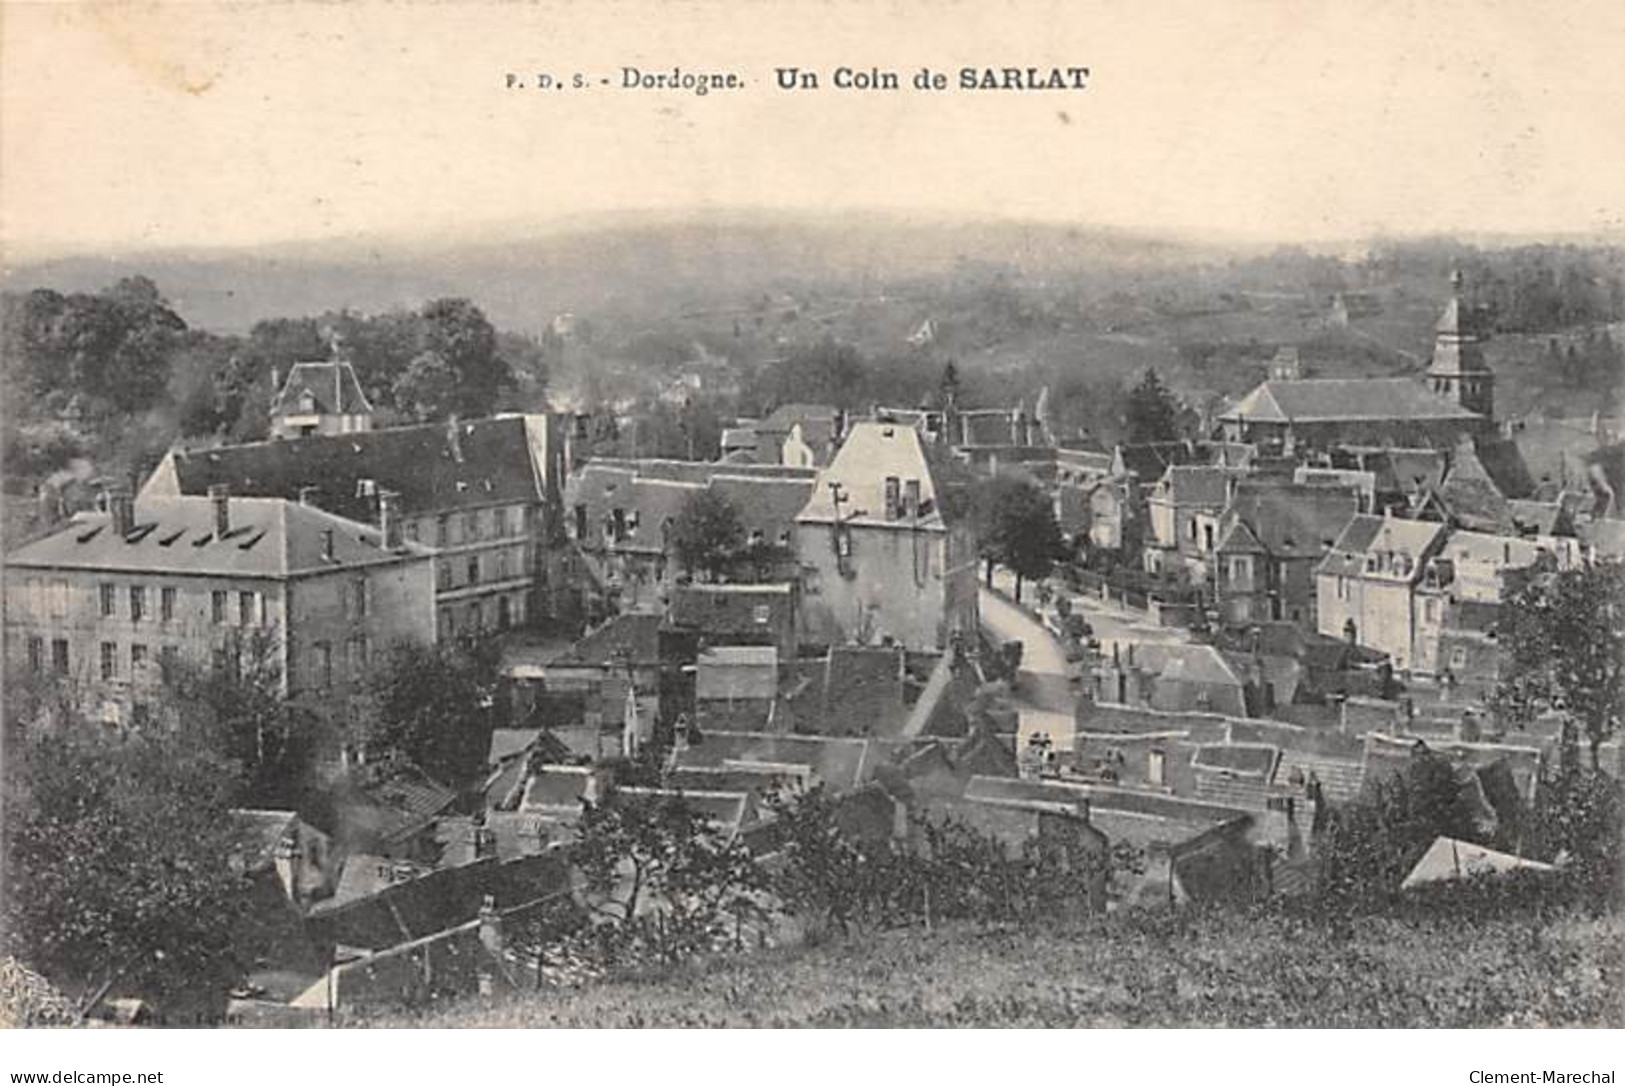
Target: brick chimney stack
(121, 506)
(220, 497)
(389, 518)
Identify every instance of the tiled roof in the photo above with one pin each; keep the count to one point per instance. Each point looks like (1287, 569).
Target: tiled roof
(266, 537)
(1149, 460)
(260, 832)
(433, 468)
(331, 386)
(631, 637)
(838, 762)
(1340, 399)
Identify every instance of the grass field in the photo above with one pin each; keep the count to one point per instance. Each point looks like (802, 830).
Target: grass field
(1212, 970)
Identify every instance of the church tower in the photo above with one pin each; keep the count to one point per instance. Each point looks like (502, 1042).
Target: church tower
(1458, 369)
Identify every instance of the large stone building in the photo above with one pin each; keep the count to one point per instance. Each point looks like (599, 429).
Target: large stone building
(1271, 537)
(108, 600)
(483, 493)
(1379, 587)
(1456, 399)
(884, 550)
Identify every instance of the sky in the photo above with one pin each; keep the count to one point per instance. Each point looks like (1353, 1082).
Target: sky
(133, 127)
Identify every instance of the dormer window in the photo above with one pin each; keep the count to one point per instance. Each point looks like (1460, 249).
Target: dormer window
(307, 403)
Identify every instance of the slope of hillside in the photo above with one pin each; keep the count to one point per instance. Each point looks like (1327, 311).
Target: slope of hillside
(1216, 970)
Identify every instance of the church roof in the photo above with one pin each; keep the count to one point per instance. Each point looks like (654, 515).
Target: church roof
(1344, 400)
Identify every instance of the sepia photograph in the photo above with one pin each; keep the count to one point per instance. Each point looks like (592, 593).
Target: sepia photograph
(744, 515)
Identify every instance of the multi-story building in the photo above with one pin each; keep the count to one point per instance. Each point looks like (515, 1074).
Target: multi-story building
(621, 513)
(884, 550)
(108, 600)
(1379, 587)
(483, 493)
(1271, 537)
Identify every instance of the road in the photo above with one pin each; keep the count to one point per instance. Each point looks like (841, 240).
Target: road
(1043, 694)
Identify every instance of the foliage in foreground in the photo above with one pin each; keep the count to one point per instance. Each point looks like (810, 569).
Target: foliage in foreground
(1217, 968)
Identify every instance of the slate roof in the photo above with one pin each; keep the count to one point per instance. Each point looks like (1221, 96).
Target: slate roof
(767, 499)
(331, 385)
(1286, 520)
(808, 414)
(1341, 399)
(872, 452)
(863, 691)
(840, 763)
(1200, 486)
(1148, 460)
(266, 537)
(1369, 535)
(435, 467)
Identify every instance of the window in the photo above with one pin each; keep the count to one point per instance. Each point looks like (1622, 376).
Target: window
(448, 624)
(59, 655)
(107, 600)
(138, 660)
(502, 565)
(323, 664)
(56, 598)
(1342, 588)
(412, 530)
(473, 569)
(471, 526)
(358, 658)
(442, 532)
(169, 658)
(475, 623)
(504, 614)
(247, 609)
(358, 599)
(1430, 610)
(499, 522)
(217, 607)
(36, 654)
(760, 614)
(109, 661)
(138, 603)
(166, 604)
(1458, 657)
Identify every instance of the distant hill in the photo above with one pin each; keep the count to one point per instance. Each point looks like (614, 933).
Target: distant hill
(523, 277)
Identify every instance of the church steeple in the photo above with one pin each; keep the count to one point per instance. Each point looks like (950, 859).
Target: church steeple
(1458, 369)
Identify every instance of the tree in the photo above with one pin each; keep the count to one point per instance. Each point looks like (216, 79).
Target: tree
(235, 709)
(432, 705)
(458, 332)
(1370, 845)
(428, 389)
(1562, 634)
(1152, 413)
(667, 880)
(707, 534)
(1015, 527)
(824, 372)
(119, 863)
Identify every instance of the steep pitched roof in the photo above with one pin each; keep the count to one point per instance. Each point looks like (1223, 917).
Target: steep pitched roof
(1197, 485)
(434, 467)
(634, 636)
(1148, 460)
(1287, 520)
(325, 388)
(1384, 537)
(1344, 400)
(872, 453)
(267, 537)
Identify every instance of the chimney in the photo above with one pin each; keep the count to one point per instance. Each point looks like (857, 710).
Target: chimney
(454, 439)
(389, 518)
(307, 495)
(287, 859)
(121, 506)
(220, 497)
(327, 545)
